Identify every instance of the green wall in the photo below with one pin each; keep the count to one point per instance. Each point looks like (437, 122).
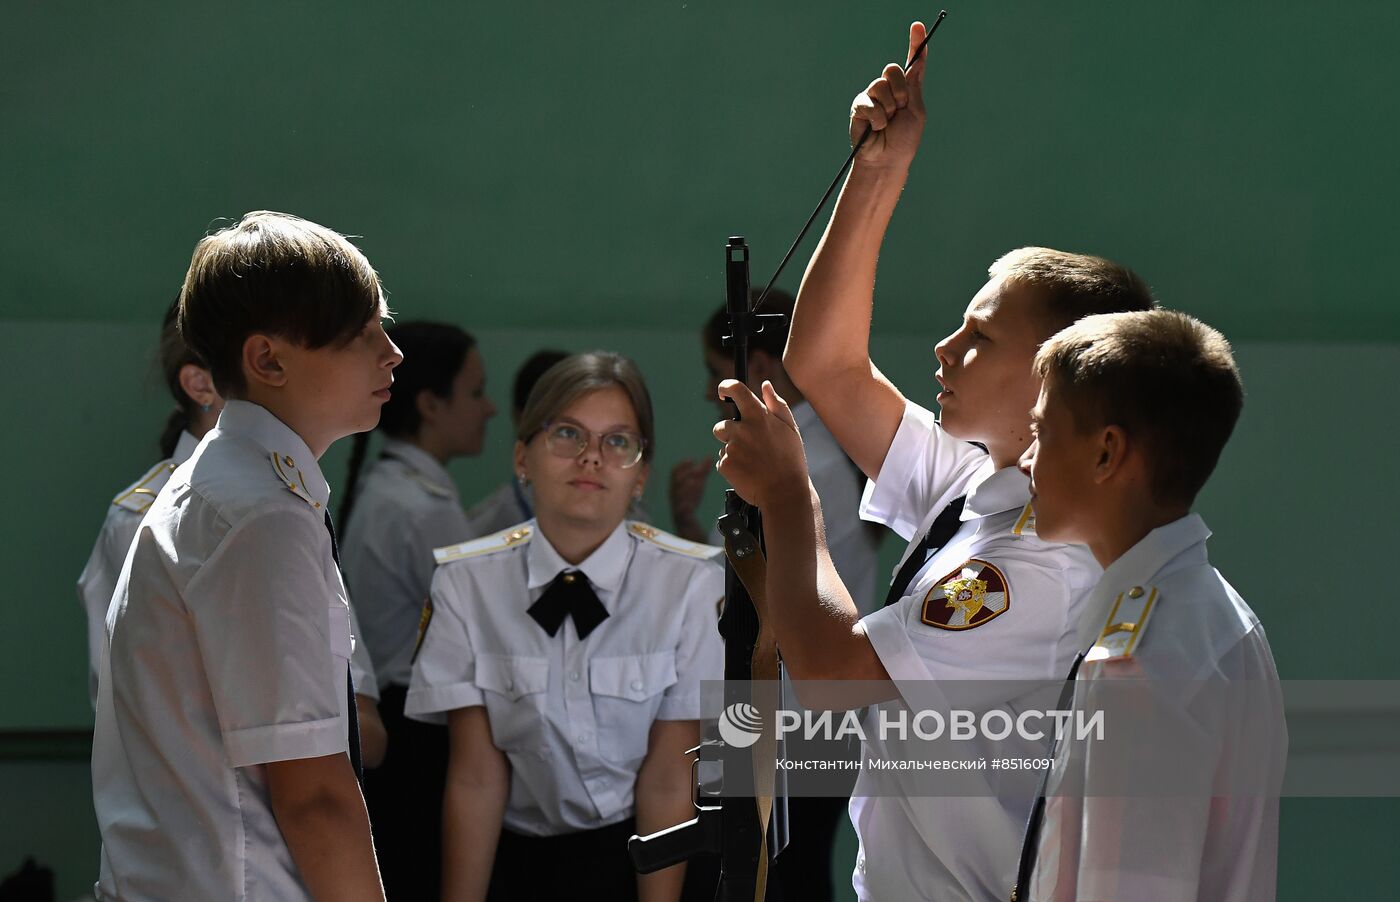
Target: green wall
(566, 174)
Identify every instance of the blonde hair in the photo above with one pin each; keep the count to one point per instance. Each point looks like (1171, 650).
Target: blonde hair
(1165, 378)
(579, 375)
(1073, 286)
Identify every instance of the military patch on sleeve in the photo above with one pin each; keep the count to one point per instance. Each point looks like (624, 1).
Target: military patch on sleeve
(423, 620)
(968, 597)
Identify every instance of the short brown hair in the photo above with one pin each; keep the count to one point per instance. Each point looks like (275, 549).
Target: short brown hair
(1074, 286)
(572, 378)
(1165, 378)
(273, 274)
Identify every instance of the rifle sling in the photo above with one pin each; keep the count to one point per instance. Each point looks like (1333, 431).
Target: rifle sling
(752, 571)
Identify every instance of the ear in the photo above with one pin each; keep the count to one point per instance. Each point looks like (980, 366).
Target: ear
(428, 405)
(196, 382)
(1112, 454)
(262, 361)
(643, 471)
(520, 468)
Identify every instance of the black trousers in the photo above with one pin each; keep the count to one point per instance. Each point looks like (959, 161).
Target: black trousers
(404, 797)
(593, 864)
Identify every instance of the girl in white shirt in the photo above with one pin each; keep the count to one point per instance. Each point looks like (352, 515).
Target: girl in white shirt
(197, 407)
(566, 656)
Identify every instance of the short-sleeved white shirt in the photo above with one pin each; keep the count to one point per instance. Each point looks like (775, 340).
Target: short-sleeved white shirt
(1206, 663)
(572, 716)
(227, 644)
(99, 576)
(407, 506)
(961, 848)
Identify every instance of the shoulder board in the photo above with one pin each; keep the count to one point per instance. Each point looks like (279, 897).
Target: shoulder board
(291, 477)
(1025, 524)
(142, 493)
(506, 538)
(671, 543)
(1127, 621)
(432, 488)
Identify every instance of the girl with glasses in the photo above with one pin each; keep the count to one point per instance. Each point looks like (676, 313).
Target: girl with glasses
(566, 655)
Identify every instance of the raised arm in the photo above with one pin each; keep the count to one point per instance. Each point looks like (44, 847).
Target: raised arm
(473, 805)
(828, 349)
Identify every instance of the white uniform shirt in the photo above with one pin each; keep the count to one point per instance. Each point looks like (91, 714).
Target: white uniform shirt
(99, 576)
(1023, 628)
(572, 716)
(407, 506)
(227, 644)
(1202, 656)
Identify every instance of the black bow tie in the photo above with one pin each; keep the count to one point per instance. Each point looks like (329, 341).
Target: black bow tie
(569, 595)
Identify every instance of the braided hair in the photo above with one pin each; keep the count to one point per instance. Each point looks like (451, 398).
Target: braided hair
(174, 356)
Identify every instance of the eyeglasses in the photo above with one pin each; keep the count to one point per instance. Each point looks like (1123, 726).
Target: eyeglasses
(621, 449)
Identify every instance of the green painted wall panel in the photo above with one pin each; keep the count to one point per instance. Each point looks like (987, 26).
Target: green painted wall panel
(577, 164)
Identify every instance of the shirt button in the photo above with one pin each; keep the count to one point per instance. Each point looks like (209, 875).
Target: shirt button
(583, 737)
(510, 685)
(636, 685)
(1135, 592)
(574, 676)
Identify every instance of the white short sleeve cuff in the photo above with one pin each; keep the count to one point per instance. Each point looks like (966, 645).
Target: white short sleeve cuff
(885, 499)
(431, 704)
(890, 639)
(286, 741)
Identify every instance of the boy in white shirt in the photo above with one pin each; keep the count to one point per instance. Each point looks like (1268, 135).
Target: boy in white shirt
(225, 748)
(1133, 412)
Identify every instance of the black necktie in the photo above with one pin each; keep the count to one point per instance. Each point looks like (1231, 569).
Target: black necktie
(939, 532)
(353, 737)
(1031, 841)
(569, 595)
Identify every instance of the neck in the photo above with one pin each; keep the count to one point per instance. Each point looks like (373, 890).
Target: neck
(573, 540)
(316, 438)
(201, 422)
(431, 443)
(1006, 451)
(1128, 525)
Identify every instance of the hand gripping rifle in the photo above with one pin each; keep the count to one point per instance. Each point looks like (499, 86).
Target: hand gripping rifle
(748, 827)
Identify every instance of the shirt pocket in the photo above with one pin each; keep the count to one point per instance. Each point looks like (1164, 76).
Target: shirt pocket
(342, 643)
(627, 692)
(514, 689)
